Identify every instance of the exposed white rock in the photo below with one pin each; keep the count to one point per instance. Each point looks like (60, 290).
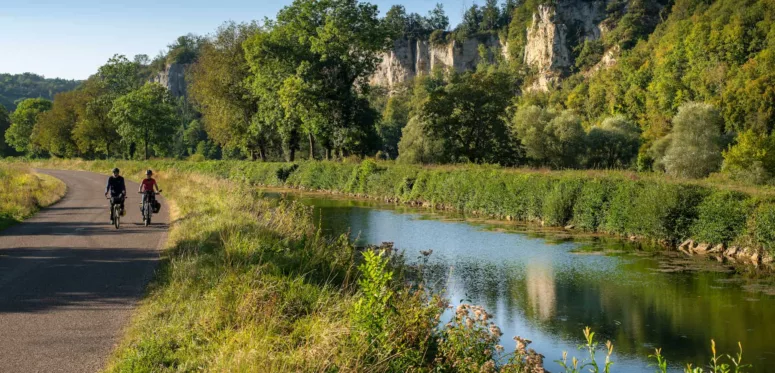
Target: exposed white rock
(412, 57)
(173, 77)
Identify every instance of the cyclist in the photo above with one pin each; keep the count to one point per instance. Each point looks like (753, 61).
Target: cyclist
(148, 185)
(117, 190)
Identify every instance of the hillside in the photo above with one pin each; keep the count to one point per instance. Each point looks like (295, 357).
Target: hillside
(15, 87)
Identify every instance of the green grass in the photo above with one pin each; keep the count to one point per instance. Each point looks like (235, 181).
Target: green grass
(647, 206)
(23, 192)
(248, 285)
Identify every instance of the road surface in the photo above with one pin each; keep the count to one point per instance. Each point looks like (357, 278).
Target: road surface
(69, 279)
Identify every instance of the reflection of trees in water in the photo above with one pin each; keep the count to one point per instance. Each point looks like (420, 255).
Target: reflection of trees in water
(632, 304)
(637, 308)
(541, 294)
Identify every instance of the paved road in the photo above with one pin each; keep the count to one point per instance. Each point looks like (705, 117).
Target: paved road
(69, 279)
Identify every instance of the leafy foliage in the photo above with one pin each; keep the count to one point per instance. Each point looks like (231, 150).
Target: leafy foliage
(16, 88)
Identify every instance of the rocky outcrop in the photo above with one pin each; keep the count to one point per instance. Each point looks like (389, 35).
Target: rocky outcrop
(737, 254)
(412, 57)
(555, 30)
(173, 77)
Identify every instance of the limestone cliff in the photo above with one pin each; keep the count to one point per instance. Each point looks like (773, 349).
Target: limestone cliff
(554, 31)
(173, 77)
(412, 57)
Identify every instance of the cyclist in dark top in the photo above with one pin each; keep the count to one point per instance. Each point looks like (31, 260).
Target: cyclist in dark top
(117, 190)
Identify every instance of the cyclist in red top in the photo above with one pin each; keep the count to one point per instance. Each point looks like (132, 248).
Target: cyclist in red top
(148, 185)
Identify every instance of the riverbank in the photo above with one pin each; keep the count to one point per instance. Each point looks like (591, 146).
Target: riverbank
(23, 192)
(732, 222)
(247, 284)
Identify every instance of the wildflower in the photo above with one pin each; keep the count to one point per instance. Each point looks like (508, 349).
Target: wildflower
(495, 331)
(488, 367)
(499, 348)
(469, 323)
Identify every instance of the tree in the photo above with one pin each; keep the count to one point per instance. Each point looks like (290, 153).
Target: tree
(23, 120)
(221, 91)
(417, 147)
(394, 119)
(548, 137)
(695, 149)
(193, 135)
(185, 49)
(469, 114)
(491, 16)
(146, 116)
(613, 144)
(53, 131)
(119, 76)
(472, 19)
(314, 62)
(751, 159)
(437, 18)
(396, 21)
(5, 122)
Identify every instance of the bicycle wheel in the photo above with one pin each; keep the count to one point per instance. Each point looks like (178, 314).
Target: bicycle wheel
(117, 215)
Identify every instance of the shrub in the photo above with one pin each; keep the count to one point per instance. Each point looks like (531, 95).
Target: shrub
(591, 205)
(762, 226)
(558, 203)
(751, 159)
(721, 217)
(695, 150)
(612, 144)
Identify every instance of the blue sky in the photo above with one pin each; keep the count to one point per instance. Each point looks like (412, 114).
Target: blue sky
(72, 38)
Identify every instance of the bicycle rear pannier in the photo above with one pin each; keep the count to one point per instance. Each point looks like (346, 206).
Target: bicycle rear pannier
(156, 207)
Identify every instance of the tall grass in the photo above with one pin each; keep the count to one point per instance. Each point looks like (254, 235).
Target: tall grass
(23, 192)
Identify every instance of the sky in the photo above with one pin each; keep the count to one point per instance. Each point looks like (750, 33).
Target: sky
(71, 38)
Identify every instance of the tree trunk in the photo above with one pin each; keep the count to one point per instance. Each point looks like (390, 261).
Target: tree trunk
(252, 155)
(262, 153)
(328, 154)
(291, 154)
(311, 146)
(146, 143)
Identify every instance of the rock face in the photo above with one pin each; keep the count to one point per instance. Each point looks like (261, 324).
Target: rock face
(173, 77)
(412, 57)
(554, 31)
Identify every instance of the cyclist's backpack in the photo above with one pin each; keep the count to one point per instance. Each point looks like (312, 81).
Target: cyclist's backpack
(156, 207)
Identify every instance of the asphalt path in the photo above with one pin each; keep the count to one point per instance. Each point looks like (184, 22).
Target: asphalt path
(69, 280)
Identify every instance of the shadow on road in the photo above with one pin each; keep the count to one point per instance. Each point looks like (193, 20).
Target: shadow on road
(39, 279)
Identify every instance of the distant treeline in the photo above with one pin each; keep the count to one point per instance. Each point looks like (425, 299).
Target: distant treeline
(690, 93)
(17, 87)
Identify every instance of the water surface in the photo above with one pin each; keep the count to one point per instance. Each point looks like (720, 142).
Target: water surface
(548, 289)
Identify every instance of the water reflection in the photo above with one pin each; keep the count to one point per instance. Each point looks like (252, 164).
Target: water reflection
(547, 293)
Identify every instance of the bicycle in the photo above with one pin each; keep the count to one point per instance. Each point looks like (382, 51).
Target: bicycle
(115, 214)
(147, 206)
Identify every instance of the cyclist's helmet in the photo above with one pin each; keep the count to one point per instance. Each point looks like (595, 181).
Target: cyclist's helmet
(115, 170)
(149, 172)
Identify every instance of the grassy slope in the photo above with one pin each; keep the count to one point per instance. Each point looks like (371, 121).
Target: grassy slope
(23, 192)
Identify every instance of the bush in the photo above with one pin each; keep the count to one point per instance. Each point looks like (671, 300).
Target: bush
(612, 144)
(558, 203)
(751, 159)
(591, 205)
(721, 217)
(762, 226)
(549, 138)
(695, 150)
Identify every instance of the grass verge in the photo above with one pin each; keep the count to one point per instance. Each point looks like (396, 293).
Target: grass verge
(24, 192)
